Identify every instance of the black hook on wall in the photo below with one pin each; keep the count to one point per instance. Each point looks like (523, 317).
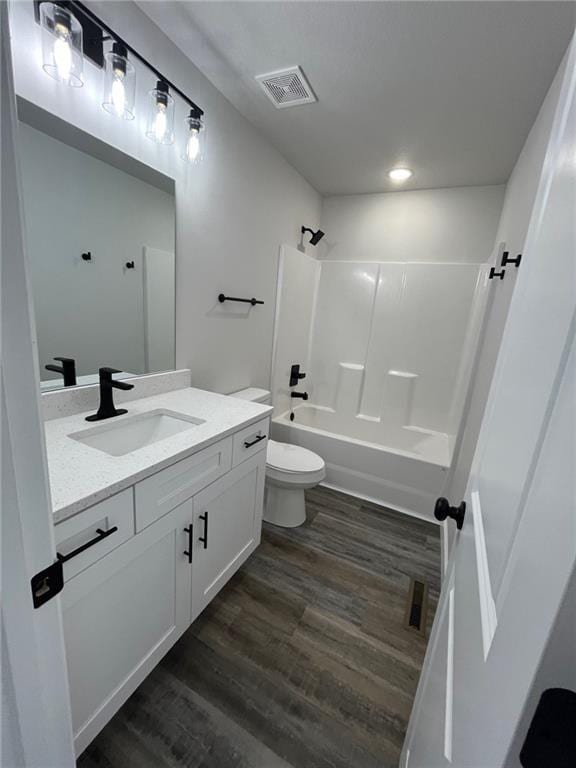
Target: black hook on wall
(130, 265)
(87, 256)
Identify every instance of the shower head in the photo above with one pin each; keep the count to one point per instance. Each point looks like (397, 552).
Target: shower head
(316, 236)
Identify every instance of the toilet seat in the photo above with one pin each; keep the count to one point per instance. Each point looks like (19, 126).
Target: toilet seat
(283, 458)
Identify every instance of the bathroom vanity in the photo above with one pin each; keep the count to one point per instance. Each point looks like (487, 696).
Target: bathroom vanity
(149, 528)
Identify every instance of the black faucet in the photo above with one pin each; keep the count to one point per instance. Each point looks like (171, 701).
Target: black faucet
(301, 395)
(67, 369)
(107, 384)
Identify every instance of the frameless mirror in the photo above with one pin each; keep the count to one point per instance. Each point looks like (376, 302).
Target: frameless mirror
(100, 234)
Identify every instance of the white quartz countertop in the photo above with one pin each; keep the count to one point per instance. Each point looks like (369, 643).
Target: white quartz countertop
(81, 476)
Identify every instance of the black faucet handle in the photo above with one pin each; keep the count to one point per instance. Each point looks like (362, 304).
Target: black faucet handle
(106, 373)
(64, 359)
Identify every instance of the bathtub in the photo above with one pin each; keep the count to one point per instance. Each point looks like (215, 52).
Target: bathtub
(360, 458)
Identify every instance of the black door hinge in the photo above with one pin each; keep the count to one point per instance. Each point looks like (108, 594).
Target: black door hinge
(507, 260)
(47, 583)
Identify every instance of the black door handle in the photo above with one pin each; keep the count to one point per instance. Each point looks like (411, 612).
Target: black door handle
(442, 510)
(204, 539)
(188, 551)
(100, 537)
(257, 440)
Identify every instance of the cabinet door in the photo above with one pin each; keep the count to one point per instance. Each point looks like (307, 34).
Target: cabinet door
(227, 528)
(121, 615)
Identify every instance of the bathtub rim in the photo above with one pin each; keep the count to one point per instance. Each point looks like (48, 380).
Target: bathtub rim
(284, 420)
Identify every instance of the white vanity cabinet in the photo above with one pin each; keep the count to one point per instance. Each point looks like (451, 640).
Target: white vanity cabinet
(227, 526)
(182, 533)
(121, 615)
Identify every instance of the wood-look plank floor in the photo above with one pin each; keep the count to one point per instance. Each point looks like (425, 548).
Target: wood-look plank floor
(302, 661)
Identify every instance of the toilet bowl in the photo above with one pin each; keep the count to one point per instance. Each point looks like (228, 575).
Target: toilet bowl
(290, 470)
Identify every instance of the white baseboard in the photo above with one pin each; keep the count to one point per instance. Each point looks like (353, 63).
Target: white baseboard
(380, 502)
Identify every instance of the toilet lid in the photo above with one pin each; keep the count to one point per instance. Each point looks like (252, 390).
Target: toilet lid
(292, 458)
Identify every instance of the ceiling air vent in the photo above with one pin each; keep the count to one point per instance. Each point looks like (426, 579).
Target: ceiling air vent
(287, 87)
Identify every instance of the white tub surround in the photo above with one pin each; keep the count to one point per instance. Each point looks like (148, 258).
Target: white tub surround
(387, 348)
(81, 476)
(149, 537)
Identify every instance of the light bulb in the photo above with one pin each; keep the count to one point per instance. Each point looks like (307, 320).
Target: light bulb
(194, 149)
(193, 145)
(119, 83)
(63, 55)
(118, 94)
(160, 122)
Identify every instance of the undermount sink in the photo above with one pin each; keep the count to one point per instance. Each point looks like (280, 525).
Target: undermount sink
(117, 438)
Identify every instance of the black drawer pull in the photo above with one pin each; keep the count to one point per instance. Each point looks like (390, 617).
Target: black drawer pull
(188, 551)
(257, 440)
(101, 536)
(204, 539)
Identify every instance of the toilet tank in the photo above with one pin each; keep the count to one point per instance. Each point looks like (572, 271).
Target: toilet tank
(254, 394)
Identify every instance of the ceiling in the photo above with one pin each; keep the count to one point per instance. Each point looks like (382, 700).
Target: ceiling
(449, 89)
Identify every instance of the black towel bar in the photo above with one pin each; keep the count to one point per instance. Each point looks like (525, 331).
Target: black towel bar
(222, 298)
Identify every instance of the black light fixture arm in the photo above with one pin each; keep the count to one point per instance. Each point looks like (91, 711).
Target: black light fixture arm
(82, 10)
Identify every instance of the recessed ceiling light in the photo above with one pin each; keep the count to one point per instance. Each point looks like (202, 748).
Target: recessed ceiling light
(400, 174)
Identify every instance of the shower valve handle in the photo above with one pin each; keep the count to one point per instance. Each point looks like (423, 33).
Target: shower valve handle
(295, 375)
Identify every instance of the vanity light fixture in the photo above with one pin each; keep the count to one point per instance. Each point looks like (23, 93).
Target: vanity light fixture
(119, 83)
(160, 114)
(61, 44)
(400, 174)
(72, 31)
(195, 129)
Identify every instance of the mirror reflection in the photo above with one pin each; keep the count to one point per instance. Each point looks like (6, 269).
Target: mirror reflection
(101, 244)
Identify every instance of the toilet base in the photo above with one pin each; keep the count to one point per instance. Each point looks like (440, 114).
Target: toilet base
(285, 507)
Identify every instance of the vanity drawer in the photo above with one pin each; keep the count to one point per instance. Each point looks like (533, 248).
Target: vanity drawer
(93, 533)
(249, 441)
(170, 487)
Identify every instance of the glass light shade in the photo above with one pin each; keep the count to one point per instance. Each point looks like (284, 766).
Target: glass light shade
(119, 84)
(194, 139)
(61, 44)
(160, 124)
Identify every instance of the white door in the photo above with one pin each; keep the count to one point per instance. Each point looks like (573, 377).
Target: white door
(36, 720)
(514, 555)
(226, 529)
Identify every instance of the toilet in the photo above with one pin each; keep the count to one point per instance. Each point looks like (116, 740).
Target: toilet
(290, 470)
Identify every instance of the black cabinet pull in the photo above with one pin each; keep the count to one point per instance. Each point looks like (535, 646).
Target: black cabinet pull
(204, 539)
(188, 551)
(257, 440)
(101, 536)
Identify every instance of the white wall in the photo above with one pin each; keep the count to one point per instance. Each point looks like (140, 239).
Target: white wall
(91, 311)
(512, 229)
(423, 225)
(232, 212)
